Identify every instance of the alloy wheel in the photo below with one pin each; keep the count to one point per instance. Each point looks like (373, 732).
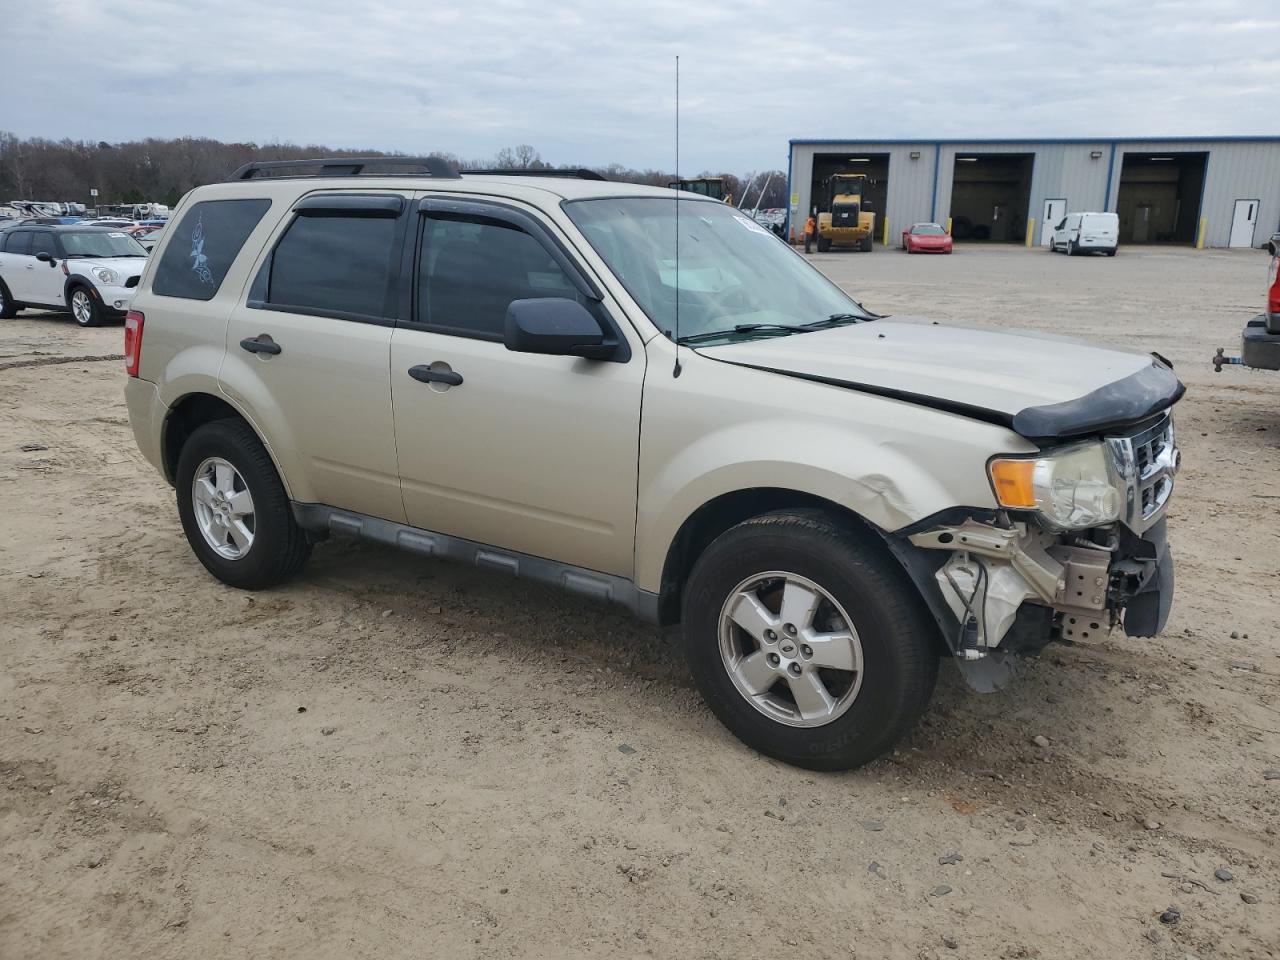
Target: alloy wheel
(223, 508)
(82, 308)
(790, 649)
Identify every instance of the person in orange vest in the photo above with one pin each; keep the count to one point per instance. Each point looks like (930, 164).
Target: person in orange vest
(810, 230)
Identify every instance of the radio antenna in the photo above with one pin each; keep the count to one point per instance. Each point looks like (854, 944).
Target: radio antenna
(675, 370)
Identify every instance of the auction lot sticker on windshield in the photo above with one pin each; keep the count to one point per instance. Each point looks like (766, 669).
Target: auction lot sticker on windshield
(751, 225)
(122, 236)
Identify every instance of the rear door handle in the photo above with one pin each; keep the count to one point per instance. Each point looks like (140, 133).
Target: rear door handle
(262, 343)
(425, 374)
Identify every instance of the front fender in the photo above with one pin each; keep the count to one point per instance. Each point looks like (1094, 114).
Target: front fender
(78, 279)
(890, 462)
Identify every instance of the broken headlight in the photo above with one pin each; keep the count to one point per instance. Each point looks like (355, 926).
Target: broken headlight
(1071, 488)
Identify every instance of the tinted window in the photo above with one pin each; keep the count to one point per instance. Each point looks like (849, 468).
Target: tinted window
(43, 243)
(471, 269)
(203, 247)
(335, 264)
(19, 241)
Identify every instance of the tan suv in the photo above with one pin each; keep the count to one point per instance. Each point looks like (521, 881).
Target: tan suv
(644, 396)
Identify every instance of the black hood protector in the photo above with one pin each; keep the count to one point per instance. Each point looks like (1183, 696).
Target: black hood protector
(1133, 399)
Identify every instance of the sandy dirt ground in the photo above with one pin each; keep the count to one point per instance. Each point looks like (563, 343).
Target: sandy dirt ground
(397, 758)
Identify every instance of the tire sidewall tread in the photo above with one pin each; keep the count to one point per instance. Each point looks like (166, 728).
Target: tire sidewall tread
(280, 546)
(899, 644)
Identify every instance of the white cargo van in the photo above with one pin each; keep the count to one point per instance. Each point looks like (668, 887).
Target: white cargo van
(1086, 233)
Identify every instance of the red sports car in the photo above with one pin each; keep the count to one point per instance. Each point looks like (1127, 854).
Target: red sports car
(926, 238)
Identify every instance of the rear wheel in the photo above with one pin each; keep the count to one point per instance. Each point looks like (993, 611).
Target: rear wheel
(85, 307)
(234, 509)
(806, 640)
(1071, 248)
(824, 244)
(8, 308)
(866, 243)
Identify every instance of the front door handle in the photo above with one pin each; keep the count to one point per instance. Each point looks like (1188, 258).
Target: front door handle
(262, 343)
(425, 374)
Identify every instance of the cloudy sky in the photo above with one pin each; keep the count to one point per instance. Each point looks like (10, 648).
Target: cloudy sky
(592, 83)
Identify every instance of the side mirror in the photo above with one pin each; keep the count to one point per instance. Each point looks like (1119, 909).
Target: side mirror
(45, 257)
(557, 326)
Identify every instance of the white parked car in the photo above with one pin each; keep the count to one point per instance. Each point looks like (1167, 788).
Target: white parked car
(90, 271)
(1086, 233)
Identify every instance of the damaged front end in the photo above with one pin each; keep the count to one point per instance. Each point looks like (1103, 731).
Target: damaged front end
(1006, 582)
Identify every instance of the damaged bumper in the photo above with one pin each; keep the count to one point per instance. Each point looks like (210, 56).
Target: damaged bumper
(1014, 588)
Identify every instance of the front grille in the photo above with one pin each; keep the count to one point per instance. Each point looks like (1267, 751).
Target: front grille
(1147, 460)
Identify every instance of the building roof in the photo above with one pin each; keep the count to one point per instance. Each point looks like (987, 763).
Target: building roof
(1225, 138)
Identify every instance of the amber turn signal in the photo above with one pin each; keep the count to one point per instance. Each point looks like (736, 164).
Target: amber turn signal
(1012, 480)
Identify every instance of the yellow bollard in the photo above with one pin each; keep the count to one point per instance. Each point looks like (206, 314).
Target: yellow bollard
(1031, 229)
(884, 237)
(948, 226)
(1200, 233)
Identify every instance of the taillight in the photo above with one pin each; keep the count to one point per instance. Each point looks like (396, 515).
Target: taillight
(132, 341)
(1273, 297)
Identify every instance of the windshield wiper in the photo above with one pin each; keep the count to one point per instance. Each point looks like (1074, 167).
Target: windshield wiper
(835, 320)
(784, 328)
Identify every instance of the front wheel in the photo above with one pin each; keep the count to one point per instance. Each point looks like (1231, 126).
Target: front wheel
(807, 641)
(85, 308)
(234, 509)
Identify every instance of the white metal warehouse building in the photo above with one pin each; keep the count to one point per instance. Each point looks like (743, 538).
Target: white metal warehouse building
(1194, 191)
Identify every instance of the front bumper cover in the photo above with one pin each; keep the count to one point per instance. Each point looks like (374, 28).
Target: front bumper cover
(996, 587)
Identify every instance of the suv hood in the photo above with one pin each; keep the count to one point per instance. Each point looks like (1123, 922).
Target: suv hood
(1041, 386)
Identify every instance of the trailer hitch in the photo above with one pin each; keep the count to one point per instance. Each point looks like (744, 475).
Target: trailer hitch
(1219, 360)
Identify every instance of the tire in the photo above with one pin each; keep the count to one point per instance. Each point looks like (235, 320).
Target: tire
(866, 244)
(1052, 248)
(1111, 253)
(824, 244)
(84, 306)
(894, 639)
(8, 308)
(1071, 248)
(276, 546)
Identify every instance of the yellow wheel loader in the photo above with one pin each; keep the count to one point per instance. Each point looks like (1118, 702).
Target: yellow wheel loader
(846, 220)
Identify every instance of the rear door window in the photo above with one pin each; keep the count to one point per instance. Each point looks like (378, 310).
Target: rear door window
(333, 265)
(19, 242)
(204, 245)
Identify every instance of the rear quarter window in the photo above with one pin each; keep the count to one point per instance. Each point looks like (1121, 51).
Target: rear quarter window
(203, 246)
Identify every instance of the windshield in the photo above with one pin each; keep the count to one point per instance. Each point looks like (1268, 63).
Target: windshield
(101, 243)
(733, 272)
(927, 229)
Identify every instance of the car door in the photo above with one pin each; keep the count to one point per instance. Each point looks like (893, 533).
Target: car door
(530, 452)
(18, 263)
(43, 277)
(307, 349)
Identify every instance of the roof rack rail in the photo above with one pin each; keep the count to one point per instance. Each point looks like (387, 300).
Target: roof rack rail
(346, 167)
(581, 173)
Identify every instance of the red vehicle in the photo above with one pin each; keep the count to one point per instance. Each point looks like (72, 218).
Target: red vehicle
(926, 238)
(1260, 344)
